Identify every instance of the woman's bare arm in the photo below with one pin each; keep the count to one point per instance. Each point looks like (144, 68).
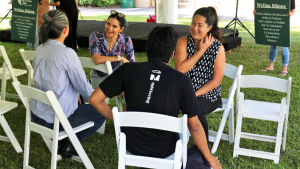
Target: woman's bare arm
(219, 67)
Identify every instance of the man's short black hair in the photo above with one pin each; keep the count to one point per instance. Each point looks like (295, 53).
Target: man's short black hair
(161, 44)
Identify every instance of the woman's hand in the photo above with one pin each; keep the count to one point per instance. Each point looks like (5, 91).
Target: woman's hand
(124, 60)
(205, 42)
(215, 163)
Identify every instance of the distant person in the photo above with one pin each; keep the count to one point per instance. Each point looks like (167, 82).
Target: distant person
(57, 68)
(110, 45)
(285, 54)
(70, 7)
(201, 57)
(155, 87)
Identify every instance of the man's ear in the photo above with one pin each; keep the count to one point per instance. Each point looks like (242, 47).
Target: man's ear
(172, 56)
(66, 31)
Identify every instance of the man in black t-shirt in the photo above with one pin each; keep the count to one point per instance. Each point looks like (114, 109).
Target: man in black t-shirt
(154, 86)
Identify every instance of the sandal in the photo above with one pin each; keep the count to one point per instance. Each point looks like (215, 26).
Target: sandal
(265, 70)
(283, 73)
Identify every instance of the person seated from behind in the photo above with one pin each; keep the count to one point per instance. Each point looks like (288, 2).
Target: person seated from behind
(154, 86)
(58, 68)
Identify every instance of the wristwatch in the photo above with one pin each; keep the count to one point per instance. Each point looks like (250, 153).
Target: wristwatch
(119, 58)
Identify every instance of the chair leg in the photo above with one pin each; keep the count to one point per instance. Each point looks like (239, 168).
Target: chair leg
(238, 133)
(278, 139)
(10, 134)
(48, 143)
(220, 131)
(122, 151)
(284, 134)
(54, 153)
(78, 147)
(231, 125)
(3, 85)
(26, 146)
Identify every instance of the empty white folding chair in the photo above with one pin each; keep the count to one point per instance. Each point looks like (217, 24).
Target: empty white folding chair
(253, 109)
(154, 121)
(106, 68)
(27, 58)
(50, 136)
(5, 74)
(6, 106)
(228, 108)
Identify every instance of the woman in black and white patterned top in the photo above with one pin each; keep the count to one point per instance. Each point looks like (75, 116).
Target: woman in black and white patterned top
(201, 57)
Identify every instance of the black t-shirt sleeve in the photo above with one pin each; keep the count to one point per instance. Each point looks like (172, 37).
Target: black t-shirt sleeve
(113, 84)
(190, 104)
(293, 6)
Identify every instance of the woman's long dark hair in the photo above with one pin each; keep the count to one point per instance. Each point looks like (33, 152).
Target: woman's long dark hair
(211, 20)
(54, 23)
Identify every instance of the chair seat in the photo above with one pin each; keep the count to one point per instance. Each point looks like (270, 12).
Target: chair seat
(5, 106)
(18, 72)
(224, 104)
(63, 134)
(261, 110)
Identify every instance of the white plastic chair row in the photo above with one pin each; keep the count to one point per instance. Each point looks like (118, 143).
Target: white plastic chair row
(85, 62)
(26, 93)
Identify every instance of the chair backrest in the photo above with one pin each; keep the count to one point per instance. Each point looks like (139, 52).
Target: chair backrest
(89, 63)
(149, 120)
(27, 57)
(265, 82)
(26, 93)
(232, 72)
(7, 63)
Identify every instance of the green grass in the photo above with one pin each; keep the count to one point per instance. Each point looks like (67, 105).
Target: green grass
(102, 150)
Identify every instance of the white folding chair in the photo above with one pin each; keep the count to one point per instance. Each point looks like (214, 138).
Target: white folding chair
(27, 58)
(228, 108)
(278, 112)
(154, 121)
(27, 93)
(106, 68)
(6, 106)
(5, 74)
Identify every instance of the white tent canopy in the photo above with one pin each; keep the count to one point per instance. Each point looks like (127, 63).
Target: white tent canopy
(166, 11)
(3, 7)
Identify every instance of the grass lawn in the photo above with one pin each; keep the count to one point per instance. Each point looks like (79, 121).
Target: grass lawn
(102, 150)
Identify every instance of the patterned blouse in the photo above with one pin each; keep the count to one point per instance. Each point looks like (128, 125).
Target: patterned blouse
(203, 70)
(98, 45)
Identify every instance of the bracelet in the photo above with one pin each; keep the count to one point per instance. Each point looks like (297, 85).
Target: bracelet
(119, 58)
(116, 58)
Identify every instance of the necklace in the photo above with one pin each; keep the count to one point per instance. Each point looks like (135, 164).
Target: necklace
(111, 45)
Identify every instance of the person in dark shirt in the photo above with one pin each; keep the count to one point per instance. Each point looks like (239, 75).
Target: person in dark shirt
(154, 86)
(70, 8)
(285, 54)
